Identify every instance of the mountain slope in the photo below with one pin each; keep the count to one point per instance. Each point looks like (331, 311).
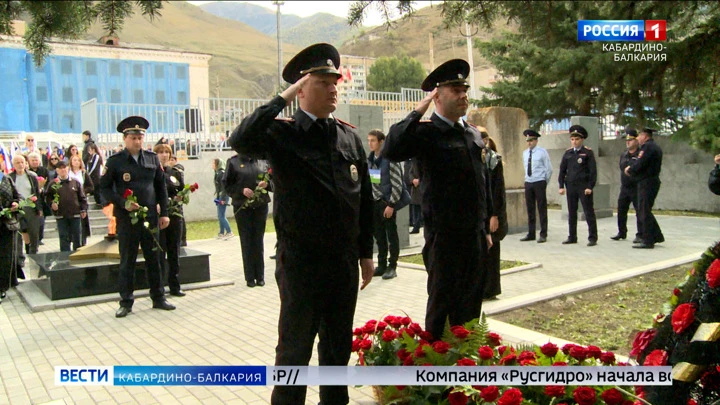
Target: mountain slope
(244, 59)
(258, 17)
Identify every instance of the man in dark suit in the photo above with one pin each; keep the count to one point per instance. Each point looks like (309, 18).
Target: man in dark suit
(456, 199)
(139, 171)
(645, 170)
(322, 212)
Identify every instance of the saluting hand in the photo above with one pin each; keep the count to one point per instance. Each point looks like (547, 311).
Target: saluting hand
(163, 222)
(424, 104)
(367, 269)
(717, 159)
(290, 93)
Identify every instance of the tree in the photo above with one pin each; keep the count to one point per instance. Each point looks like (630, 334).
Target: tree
(394, 73)
(68, 19)
(552, 75)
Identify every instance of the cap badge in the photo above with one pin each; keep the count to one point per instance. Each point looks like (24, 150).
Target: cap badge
(329, 62)
(460, 76)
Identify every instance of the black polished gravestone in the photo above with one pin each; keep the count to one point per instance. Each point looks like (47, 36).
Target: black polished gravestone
(60, 278)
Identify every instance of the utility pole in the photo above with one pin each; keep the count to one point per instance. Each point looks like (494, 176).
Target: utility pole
(217, 85)
(432, 52)
(279, 43)
(468, 37)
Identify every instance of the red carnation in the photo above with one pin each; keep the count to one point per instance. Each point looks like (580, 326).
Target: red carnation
(459, 331)
(676, 291)
(584, 396)
(566, 348)
(513, 396)
(415, 327)
(381, 326)
(357, 332)
(549, 349)
(126, 194)
(356, 345)
(489, 394)
(406, 330)
(713, 274)
(33, 198)
(527, 355)
(194, 187)
(486, 352)
(409, 361)
(425, 335)
(457, 398)
(642, 339)
(366, 344)
(555, 390)
(466, 362)
(560, 363)
(578, 352)
(419, 352)
(594, 352)
(493, 339)
(692, 402)
(388, 336)
(607, 358)
(682, 317)
(657, 357)
(612, 397)
(406, 320)
(441, 347)
(403, 353)
(510, 358)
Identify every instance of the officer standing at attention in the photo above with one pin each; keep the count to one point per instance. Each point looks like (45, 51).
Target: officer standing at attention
(646, 171)
(323, 216)
(538, 171)
(138, 170)
(578, 172)
(456, 199)
(628, 187)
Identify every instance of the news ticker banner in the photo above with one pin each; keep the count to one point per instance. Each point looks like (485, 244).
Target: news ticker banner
(622, 30)
(355, 375)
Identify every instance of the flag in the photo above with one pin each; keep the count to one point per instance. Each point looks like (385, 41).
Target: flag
(48, 152)
(349, 75)
(4, 156)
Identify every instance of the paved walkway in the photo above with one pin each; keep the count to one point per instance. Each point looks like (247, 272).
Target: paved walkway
(236, 325)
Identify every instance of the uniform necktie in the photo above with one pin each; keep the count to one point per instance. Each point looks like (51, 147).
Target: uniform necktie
(324, 125)
(529, 171)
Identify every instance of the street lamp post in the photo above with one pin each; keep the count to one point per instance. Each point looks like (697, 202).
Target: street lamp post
(279, 43)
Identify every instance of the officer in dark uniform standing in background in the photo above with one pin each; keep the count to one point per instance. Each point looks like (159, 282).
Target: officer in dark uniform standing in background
(628, 188)
(455, 190)
(646, 171)
(138, 170)
(578, 172)
(323, 215)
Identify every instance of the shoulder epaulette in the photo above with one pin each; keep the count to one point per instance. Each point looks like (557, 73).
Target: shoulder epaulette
(425, 121)
(346, 123)
(472, 125)
(568, 149)
(588, 148)
(286, 119)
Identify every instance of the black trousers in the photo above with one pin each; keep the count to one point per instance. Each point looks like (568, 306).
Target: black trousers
(8, 257)
(648, 190)
(251, 227)
(535, 196)
(170, 259)
(628, 195)
(457, 265)
(492, 280)
(416, 218)
(318, 293)
(129, 237)
(386, 236)
(574, 193)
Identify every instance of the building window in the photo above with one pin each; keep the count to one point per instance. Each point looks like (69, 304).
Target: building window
(66, 67)
(68, 121)
(115, 96)
(114, 69)
(160, 97)
(182, 97)
(91, 94)
(67, 95)
(43, 122)
(39, 69)
(138, 97)
(137, 70)
(159, 71)
(181, 72)
(41, 93)
(91, 68)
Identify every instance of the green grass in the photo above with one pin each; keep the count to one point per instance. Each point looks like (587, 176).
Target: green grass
(209, 229)
(417, 259)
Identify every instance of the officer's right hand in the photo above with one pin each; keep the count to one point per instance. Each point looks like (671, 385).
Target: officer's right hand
(132, 207)
(290, 93)
(717, 159)
(561, 191)
(424, 104)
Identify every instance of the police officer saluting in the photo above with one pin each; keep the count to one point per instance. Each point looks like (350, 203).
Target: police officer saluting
(323, 216)
(646, 171)
(578, 173)
(456, 200)
(628, 187)
(137, 170)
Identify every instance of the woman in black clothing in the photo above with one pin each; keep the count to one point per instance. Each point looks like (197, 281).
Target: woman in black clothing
(170, 237)
(498, 222)
(221, 199)
(9, 238)
(242, 177)
(93, 168)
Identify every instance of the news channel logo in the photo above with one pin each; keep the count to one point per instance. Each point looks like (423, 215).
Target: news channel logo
(622, 30)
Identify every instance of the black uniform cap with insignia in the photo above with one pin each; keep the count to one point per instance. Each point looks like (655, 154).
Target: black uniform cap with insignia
(134, 124)
(630, 134)
(451, 73)
(576, 130)
(530, 135)
(318, 58)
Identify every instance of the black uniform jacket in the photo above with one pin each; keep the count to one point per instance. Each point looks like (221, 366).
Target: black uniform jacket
(648, 163)
(146, 180)
(242, 172)
(322, 192)
(455, 181)
(626, 160)
(578, 168)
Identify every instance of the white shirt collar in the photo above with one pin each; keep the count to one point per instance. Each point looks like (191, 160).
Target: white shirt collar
(314, 117)
(451, 123)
